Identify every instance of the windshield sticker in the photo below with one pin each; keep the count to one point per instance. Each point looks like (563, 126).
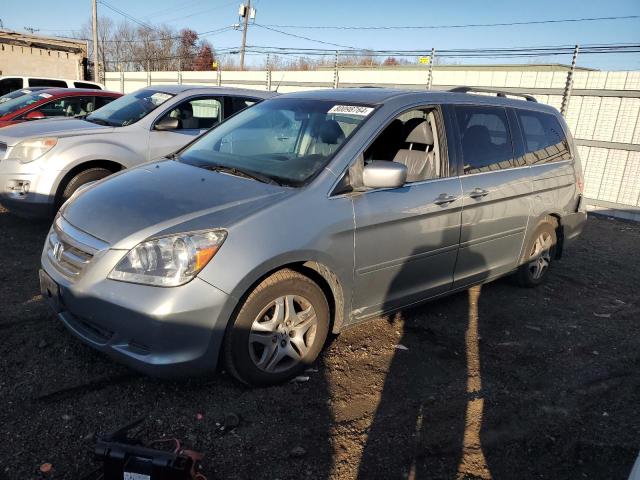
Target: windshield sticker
(159, 98)
(45, 95)
(351, 109)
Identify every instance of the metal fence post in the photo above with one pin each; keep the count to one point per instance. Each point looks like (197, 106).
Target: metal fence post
(268, 73)
(564, 108)
(430, 79)
(336, 79)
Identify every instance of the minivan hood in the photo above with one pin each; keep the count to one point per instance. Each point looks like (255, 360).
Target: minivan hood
(162, 198)
(55, 127)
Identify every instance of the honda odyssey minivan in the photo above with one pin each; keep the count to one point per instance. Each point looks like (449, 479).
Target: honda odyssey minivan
(305, 214)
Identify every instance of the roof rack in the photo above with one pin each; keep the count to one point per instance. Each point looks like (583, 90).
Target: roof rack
(499, 93)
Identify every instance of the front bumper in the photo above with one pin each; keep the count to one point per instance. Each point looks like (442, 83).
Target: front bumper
(27, 189)
(166, 332)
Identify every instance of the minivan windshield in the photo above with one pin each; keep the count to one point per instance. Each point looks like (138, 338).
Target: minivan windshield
(129, 108)
(21, 101)
(288, 139)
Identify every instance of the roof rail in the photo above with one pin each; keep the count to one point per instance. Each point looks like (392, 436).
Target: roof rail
(499, 93)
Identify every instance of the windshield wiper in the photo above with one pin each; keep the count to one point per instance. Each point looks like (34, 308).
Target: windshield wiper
(98, 121)
(173, 156)
(241, 173)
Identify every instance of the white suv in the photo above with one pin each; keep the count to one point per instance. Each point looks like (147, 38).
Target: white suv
(11, 83)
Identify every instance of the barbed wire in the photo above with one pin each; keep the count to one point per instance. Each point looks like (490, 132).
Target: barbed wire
(488, 53)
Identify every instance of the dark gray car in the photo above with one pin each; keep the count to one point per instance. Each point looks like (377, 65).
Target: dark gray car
(306, 214)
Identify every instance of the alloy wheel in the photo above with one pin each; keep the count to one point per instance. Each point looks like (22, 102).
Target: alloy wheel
(540, 255)
(282, 333)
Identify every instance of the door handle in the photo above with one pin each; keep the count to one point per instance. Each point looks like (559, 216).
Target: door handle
(443, 199)
(478, 193)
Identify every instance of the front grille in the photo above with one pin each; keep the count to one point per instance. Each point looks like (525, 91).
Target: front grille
(70, 250)
(69, 260)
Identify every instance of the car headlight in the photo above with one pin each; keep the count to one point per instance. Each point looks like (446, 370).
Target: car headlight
(169, 261)
(30, 150)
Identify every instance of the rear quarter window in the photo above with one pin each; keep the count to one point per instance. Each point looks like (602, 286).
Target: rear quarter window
(544, 139)
(86, 85)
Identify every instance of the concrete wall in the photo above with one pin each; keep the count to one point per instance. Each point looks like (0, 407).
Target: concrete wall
(39, 62)
(603, 113)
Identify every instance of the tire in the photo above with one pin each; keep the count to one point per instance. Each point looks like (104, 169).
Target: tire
(279, 331)
(539, 254)
(90, 175)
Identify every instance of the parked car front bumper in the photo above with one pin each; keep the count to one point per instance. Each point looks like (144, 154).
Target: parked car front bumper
(25, 189)
(166, 332)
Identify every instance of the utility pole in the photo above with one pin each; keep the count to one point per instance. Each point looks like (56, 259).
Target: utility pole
(245, 13)
(564, 108)
(96, 68)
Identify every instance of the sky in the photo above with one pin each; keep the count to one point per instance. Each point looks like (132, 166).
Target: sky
(207, 15)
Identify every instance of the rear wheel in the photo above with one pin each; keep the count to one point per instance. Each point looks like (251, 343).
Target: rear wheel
(86, 176)
(540, 253)
(279, 331)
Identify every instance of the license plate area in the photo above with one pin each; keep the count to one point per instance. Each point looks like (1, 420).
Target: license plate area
(50, 291)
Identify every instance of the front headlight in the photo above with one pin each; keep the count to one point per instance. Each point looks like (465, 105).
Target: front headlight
(30, 150)
(169, 261)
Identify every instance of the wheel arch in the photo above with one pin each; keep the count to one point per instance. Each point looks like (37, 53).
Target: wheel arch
(319, 272)
(111, 165)
(544, 218)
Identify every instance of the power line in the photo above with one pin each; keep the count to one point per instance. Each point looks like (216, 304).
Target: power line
(304, 38)
(468, 25)
(517, 52)
(127, 16)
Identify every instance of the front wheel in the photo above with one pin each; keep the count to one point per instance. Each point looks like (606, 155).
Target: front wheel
(540, 254)
(81, 178)
(279, 330)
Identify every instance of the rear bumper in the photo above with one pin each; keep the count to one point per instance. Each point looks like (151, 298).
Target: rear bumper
(163, 332)
(572, 226)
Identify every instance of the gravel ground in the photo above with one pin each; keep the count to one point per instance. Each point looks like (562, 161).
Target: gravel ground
(498, 382)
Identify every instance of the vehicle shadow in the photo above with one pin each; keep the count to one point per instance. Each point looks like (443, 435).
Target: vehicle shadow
(69, 392)
(427, 424)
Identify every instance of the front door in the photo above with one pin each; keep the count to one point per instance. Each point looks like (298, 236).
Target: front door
(406, 239)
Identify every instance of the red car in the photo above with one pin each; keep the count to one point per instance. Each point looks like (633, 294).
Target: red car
(53, 102)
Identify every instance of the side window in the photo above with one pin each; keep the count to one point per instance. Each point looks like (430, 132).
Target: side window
(86, 85)
(485, 138)
(239, 103)
(256, 136)
(411, 139)
(101, 102)
(47, 82)
(8, 85)
(544, 138)
(67, 107)
(198, 113)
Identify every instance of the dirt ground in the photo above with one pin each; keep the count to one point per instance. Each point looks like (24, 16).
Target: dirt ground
(499, 382)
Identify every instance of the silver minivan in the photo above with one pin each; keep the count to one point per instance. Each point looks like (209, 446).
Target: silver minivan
(306, 214)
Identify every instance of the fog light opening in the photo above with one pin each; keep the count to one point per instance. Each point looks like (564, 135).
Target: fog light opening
(19, 188)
